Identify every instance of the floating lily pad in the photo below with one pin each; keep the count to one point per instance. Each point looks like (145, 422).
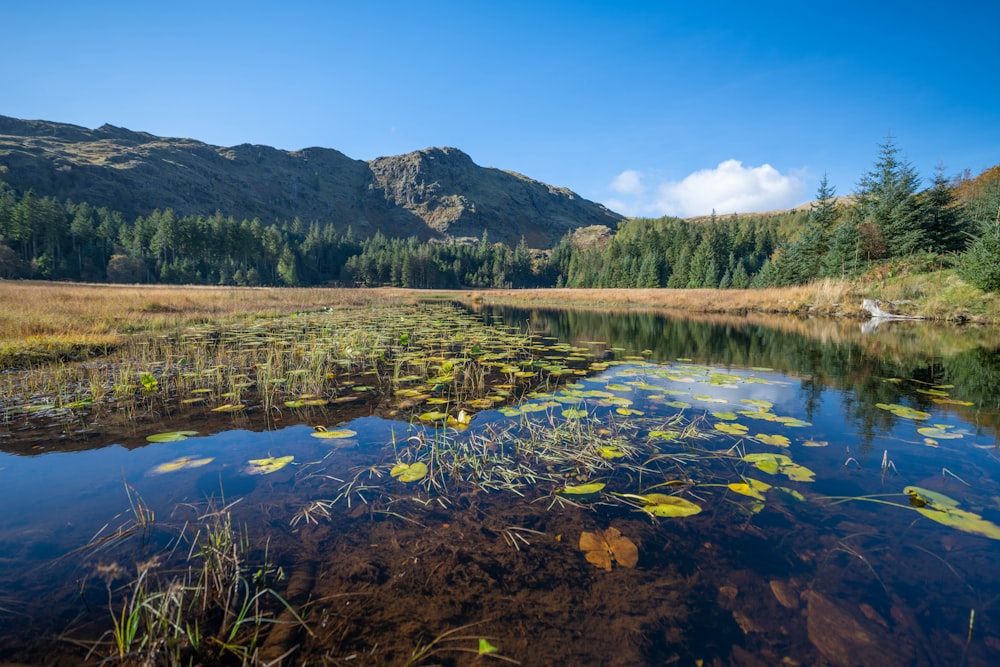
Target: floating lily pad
(951, 401)
(582, 490)
(903, 411)
(752, 488)
(304, 403)
(268, 465)
(180, 464)
(335, 434)
(939, 432)
(171, 436)
(229, 407)
(773, 464)
(939, 507)
(574, 413)
(775, 440)
(659, 504)
(731, 428)
(610, 452)
(433, 416)
(409, 472)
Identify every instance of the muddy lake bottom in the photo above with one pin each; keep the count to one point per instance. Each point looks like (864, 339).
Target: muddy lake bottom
(809, 554)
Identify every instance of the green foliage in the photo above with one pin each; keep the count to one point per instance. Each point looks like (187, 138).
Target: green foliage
(980, 266)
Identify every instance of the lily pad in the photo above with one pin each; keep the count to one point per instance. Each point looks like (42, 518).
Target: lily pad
(268, 465)
(672, 506)
(180, 464)
(732, 428)
(582, 490)
(939, 432)
(409, 472)
(752, 488)
(939, 507)
(773, 464)
(610, 452)
(229, 407)
(336, 434)
(171, 436)
(904, 411)
(775, 440)
(660, 504)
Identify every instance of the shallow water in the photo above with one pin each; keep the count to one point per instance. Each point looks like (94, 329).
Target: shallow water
(840, 570)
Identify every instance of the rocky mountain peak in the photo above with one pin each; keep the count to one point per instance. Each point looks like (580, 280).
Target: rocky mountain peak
(431, 193)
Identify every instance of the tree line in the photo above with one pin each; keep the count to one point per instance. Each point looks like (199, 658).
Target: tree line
(888, 217)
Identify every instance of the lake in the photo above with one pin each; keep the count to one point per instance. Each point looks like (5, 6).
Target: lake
(539, 487)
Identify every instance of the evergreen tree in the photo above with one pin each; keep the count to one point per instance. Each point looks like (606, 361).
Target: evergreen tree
(942, 218)
(885, 208)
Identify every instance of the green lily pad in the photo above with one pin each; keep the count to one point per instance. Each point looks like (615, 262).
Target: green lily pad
(574, 413)
(904, 411)
(731, 428)
(180, 464)
(659, 504)
(409, 472)
(610, 452)
(752, 488)
(939, 507)
(582, 490)
(268, 465)
(171, 436)
(773, 464)
(229, 407)
(939, 432)
(305, 403)
(775, 440)
(336, 434)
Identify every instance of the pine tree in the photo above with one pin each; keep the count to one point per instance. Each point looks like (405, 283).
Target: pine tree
(885, 203)
(942, 218)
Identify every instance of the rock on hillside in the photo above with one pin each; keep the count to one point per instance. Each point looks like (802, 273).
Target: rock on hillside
(437, 193)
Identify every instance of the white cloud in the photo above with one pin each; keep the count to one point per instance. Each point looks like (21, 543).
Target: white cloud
(629, 182)
(729, 188)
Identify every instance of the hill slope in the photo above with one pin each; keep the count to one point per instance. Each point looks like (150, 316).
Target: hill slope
(434, 193)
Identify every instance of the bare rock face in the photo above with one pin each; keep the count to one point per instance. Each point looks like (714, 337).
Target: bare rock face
(437, 193)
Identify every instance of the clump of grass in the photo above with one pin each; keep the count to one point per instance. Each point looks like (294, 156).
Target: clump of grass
(218, 606)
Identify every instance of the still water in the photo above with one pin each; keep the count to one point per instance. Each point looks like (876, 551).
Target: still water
(723, 492)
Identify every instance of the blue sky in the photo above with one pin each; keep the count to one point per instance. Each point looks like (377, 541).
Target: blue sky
(652, 108)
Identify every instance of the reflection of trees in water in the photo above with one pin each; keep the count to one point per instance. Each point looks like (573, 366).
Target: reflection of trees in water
(891, 366)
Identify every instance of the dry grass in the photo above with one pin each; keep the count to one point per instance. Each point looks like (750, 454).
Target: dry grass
(45, 321)
(938, 295)
(828, 297)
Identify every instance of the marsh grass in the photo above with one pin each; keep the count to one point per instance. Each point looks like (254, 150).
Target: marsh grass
(326, 356)
(216, 609)
(934, 292)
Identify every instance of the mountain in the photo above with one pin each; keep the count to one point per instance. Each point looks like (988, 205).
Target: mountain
(436, 193)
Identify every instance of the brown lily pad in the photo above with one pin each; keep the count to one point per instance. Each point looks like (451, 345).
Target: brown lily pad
(601, 548)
